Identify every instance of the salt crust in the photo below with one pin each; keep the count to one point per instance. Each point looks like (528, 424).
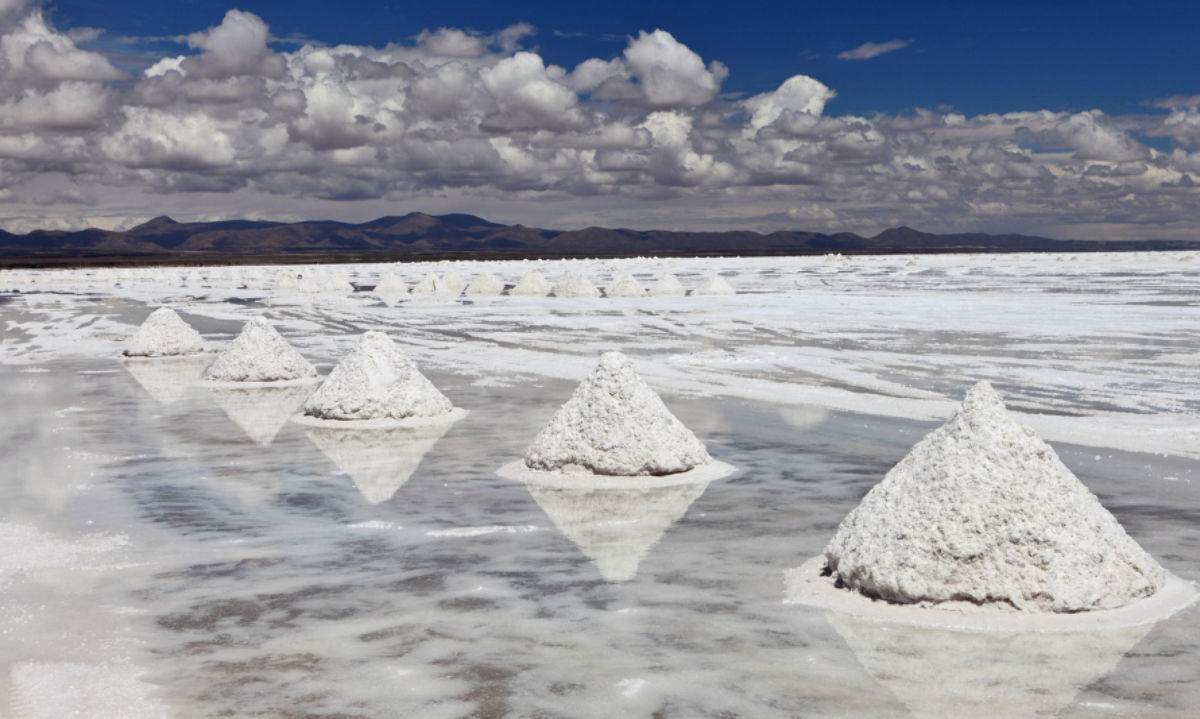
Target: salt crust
(164, 334)
(376, 381)
(260, 354)
(715, 285)
(810, 584)
(533, 284)
(572, 284)
(982, 511)
(625, 286)
(614, 424)
(667, 286)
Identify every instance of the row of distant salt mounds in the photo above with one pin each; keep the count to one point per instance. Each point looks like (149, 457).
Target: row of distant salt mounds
(535, 284)
(982, 527)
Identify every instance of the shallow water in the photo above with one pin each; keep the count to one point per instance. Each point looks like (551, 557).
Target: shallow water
(257, 579)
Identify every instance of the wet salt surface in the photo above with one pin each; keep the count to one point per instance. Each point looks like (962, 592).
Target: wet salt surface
(193, 546)
(258, 580)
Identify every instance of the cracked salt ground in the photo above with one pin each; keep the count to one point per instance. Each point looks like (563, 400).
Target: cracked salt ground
(264, 580)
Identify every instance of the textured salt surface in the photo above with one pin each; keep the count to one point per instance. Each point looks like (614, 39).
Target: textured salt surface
(259, 354)
(614, 424)
(983, 511)
(625, 286)
(164, 334)
(59, 690)
(376, 380)
(573, 284)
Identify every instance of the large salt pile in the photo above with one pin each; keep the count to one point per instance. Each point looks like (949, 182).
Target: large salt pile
(376, 381)
(532, 284)
(572, 284)
(625, 286)
(715, 285)
(164, 334)
(259, 354)
(484, 284)
(615, 424)
(668, 286)
(983, 511)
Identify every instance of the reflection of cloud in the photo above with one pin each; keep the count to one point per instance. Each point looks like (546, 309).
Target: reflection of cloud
(615, 528)
(167, 379)
(379, 461)
(261, 411)
(943, 673)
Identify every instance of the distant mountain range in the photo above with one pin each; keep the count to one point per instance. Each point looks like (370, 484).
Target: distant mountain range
(420, 236)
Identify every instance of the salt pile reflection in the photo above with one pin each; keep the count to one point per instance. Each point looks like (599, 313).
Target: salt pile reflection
(167, 379)
(616, 528)
(261, 411)
(378, 461)
(939, 673)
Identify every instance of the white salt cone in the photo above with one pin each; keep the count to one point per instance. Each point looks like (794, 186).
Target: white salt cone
(982, 510)
(376, 381)
(259, 354)
(615, 424)
(164, 334)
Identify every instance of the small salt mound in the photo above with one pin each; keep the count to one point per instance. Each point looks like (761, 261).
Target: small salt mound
(615, 424)
(259, 354)
(982, 510)
(668, 286)
(376, 380)
(533, 284)
(391, 284)
(164, 334)
(308, 285)
(451, 284)
(625, 286)
(484, 284)
(285, 281)
(714, 285)
(338, 284)
(427, 287)
(572, 284)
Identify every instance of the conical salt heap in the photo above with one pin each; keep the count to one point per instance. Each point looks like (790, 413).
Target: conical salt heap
(572, 284)
(615, 424)
(532, 284)
(625, 286)
(484, 284)
(427, 287)
(164, 334)
(982, 510)
(259, 354)
(451, 284)
(391, 284)
(376, 380)
(668, 286)
(715, 285)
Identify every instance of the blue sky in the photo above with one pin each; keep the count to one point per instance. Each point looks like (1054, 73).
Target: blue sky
(1066, 119)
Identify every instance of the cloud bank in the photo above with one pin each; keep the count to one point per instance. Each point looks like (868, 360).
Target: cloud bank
(462, 121)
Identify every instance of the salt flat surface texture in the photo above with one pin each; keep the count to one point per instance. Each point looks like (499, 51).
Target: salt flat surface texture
(376, 381)
(983, 511)
(615, 424)
(164, 334)
(259, 354)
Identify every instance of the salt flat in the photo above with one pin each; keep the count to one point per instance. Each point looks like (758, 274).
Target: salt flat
(156, 541)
